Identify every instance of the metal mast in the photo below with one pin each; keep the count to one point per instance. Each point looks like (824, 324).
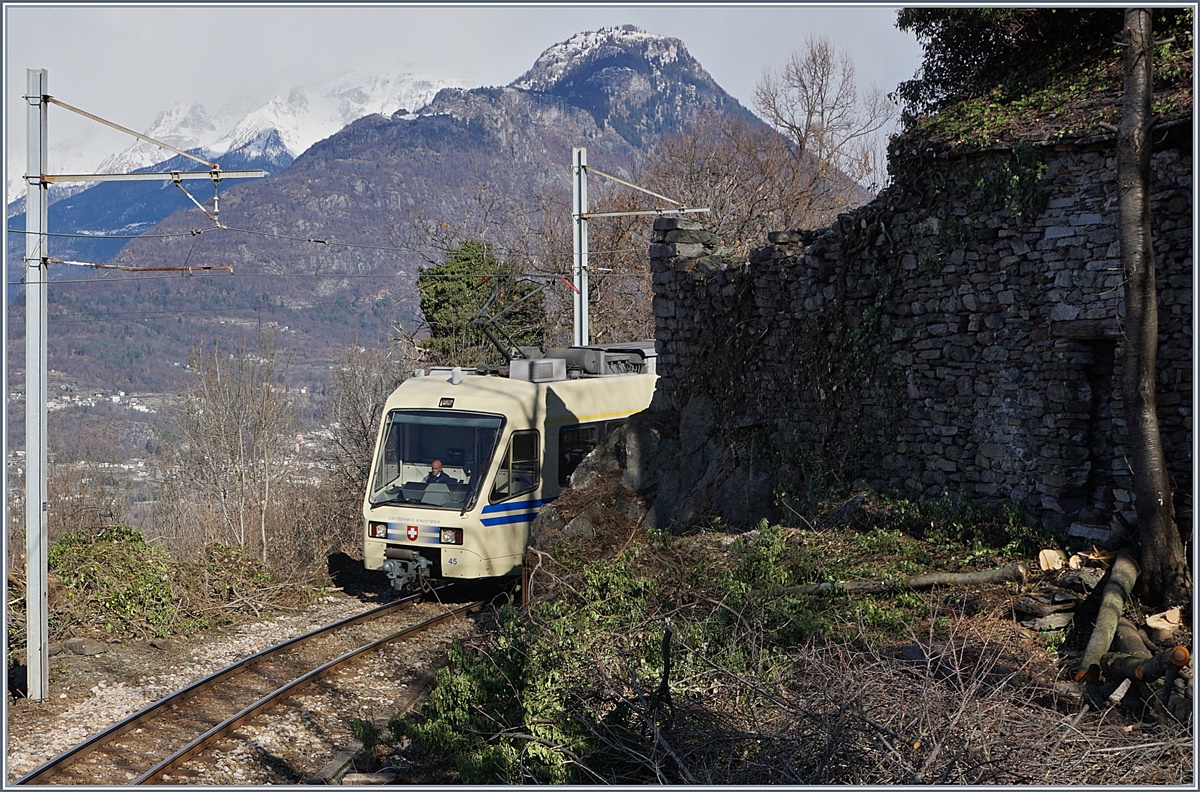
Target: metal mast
(36, 501)
(579, 215)
(37, 280)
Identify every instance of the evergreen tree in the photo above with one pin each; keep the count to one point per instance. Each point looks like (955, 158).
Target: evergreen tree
(969, 52)
(454, 293)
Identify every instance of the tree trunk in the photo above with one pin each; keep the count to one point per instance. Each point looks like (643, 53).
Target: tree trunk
(1121, 579)
(1014, 573)
(1165, 578)
(262, 512)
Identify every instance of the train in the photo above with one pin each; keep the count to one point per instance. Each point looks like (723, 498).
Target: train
(465, 459)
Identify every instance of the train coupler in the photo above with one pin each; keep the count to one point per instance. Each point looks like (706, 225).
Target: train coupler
(408, 572)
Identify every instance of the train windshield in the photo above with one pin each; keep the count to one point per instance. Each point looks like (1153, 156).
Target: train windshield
(433, 458)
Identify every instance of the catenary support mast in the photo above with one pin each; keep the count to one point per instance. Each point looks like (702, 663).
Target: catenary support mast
(36, 500)
(580, 215)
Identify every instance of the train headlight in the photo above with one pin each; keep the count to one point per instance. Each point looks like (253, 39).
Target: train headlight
(452, 536)
(377, 530)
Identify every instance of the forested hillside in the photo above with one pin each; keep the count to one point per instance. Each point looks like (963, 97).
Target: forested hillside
(326, 252)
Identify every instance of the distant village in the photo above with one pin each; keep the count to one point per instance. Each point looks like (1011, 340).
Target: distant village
(306, 445)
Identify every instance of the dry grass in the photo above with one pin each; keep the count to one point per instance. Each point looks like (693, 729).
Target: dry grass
(931, 712)
(962, 695)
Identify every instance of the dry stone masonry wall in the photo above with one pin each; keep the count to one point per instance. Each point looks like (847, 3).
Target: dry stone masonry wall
(959, 335)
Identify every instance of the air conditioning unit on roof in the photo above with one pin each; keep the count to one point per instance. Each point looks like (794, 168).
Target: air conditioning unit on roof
(538, 369)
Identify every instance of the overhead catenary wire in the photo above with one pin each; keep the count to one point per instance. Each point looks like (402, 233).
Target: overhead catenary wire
(80, 317)
(633, 274)
(188, 269)
(83, 235)
(276, 235)
(217, 225)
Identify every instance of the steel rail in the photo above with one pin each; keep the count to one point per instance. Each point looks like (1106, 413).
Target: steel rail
(97, 741)
(291, 688)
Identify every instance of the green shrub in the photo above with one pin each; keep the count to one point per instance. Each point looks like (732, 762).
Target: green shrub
(115, 582)
(951, 520)
(497, 711)
(568, 690)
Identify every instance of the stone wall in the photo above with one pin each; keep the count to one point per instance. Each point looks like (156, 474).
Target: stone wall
(960, 334)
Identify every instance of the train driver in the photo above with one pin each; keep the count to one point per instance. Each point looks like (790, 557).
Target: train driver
(439, 476)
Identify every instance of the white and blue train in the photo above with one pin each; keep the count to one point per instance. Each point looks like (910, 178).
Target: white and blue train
(465, 460)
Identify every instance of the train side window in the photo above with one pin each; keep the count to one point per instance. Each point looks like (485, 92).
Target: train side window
(519, 470)
(574, 443)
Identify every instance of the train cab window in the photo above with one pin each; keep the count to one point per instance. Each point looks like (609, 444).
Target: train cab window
(412, 439)
(519, 470)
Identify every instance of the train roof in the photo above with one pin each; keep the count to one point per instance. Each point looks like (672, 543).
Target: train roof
(611, 373)
(552, 364)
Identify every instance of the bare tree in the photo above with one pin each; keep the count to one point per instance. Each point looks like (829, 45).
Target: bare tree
(360, 387)
(742, 171)
(85, 489)
(836, 129)
(1165, 576)
(236, 427)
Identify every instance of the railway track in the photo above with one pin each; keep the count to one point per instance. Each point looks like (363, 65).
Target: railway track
(155, 745)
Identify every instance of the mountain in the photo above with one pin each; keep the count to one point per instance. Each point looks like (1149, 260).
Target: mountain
(307, 114)
(639, 84)
(317, 248)
(185, 125)
(268, 137)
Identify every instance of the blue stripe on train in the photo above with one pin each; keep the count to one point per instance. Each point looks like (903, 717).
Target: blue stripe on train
(509, 519)
(529, 504)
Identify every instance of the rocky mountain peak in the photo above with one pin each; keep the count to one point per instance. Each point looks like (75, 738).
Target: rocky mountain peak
(182, 123)
(637, 83)
(624, 48)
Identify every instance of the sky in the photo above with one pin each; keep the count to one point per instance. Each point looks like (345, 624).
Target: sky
(127, 62)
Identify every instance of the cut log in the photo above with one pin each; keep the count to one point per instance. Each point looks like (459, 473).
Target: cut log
(1165, 698)
(1016, 572)
(1129, 640)
(1161, 626)
(1175, 658)
(1121, 578)
(1052, 559)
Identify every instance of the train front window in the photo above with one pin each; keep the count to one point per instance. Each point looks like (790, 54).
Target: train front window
(463, 444)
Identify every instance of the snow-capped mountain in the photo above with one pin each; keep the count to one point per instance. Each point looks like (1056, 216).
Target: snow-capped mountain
(309, 115)
(636, 82)
(357, 191)
(305, 115)
(554, 65)
(184, 125)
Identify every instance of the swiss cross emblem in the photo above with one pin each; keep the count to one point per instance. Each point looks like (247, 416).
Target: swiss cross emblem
(412, 533)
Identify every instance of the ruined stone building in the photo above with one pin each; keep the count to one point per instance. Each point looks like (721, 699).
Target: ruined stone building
(961, 334)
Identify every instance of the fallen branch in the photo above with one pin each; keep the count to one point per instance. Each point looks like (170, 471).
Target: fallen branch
(1129, 640)
(1163, 698)
(1121, 578)
(1016, 572)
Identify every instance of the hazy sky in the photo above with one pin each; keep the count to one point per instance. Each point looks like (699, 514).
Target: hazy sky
(128, 62)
